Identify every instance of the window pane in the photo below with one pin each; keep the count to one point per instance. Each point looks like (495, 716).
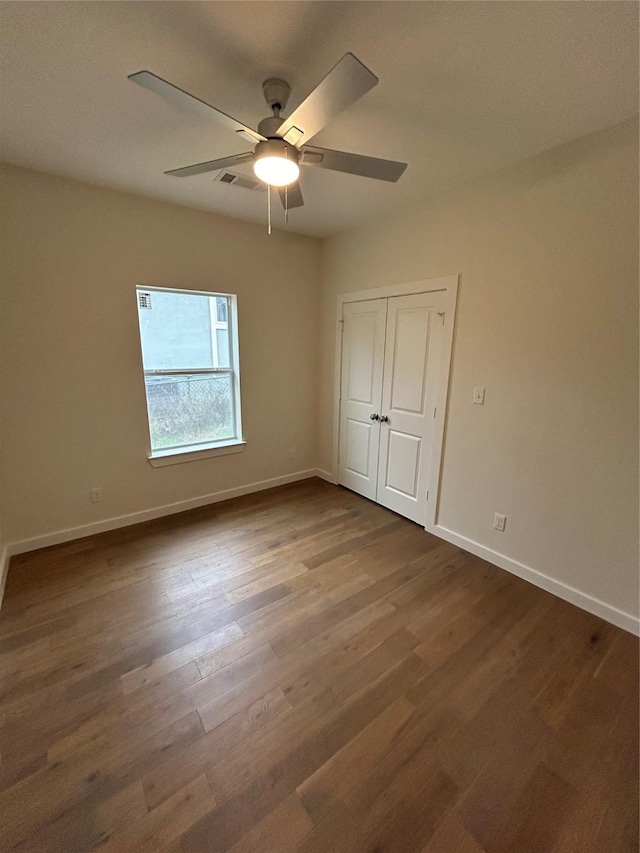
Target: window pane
(221, 309)
(189, 409)
(176, 331)
(222, 355)
(222, 344)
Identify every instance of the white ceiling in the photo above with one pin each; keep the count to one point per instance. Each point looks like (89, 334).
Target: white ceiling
(465, 88)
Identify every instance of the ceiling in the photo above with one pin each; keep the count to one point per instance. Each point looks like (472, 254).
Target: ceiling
(465, 88)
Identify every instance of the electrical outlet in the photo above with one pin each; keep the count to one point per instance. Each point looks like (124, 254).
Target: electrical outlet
(96, 495)
(499, 522)
(292, 453)
(478, 396)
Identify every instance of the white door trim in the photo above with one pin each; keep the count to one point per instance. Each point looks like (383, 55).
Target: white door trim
(448, 285)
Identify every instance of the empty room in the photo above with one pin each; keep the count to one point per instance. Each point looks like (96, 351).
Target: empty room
(319, 433)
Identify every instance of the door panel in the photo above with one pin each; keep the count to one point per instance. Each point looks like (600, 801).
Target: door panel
(358, 456)
(403, 455)
(408, 401)
(361, 372)
(409, 363)
(363, 342)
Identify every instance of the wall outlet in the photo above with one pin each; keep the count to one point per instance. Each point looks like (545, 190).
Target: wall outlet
(478, 396)
(96, 495)
(499, 522)
(292, 453)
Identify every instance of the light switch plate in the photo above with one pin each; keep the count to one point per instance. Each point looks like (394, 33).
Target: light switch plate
(478, 396)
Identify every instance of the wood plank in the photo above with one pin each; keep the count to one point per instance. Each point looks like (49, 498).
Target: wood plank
(452, 836)
(546, 793)
(286, 826)
(164, 824)
(184, 767)
(190, 652)
(330, 781)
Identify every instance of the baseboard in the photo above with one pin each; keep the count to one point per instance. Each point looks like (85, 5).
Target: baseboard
(107, 524)
(326, 475)
(623, 620)
(5, 556)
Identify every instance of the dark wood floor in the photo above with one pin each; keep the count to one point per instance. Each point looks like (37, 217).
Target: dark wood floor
(304, 670)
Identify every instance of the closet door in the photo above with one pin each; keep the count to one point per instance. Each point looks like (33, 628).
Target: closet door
(363, 338)
(408, 403)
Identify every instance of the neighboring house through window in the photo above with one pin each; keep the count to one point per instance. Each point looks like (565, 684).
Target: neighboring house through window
(189, 345)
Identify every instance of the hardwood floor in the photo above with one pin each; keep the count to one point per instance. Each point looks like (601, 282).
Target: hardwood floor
(302, 670)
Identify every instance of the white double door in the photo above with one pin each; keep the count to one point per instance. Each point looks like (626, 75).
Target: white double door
(391, 350)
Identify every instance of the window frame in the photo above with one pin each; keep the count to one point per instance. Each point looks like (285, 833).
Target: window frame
(205, 449)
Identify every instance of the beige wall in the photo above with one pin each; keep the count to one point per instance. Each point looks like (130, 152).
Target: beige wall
(547, 253)
(71, 368)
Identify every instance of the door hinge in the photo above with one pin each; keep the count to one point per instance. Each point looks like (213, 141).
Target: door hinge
(434, 412)
(427, 494)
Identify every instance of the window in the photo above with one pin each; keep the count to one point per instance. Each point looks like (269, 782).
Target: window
(189, 345)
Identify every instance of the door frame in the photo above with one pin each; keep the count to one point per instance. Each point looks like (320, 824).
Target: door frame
(448, 286)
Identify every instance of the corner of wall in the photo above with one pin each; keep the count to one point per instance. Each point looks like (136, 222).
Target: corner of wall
(4, 569)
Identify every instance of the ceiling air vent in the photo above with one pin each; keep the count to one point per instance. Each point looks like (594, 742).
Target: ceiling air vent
(243, 181)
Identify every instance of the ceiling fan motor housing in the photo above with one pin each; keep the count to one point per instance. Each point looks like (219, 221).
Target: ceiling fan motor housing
(276, 147)
(269, 127)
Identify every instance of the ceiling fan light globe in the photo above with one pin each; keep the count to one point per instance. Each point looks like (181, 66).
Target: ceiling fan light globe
(277, 171)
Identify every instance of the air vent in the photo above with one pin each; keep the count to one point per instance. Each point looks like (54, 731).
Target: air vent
(243, 181)
(144, 300)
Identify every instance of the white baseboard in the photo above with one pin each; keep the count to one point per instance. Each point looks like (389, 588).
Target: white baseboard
(326, 475)
(107, 524)
(4, 568)
(623, 620)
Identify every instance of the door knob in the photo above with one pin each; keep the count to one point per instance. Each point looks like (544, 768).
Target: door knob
(374, 417)
(384, 419)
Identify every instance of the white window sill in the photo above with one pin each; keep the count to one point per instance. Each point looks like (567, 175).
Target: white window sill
(159, 458)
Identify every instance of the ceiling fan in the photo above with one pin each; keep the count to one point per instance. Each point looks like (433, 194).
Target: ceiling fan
(282, 144)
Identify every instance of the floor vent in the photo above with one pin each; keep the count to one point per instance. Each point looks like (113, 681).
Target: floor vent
(243, 181)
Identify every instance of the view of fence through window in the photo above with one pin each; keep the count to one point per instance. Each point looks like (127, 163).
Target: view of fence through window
(187, 354)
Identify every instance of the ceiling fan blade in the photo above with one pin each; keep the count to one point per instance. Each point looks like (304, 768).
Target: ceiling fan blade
(353, 164)
(344, 84)
(291, 196)
(211, 165)
(184, 99)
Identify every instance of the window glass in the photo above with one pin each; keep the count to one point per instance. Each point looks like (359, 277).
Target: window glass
(191, 409)
(222, 342)
(221, 309)
(190, 378)
(176, 331)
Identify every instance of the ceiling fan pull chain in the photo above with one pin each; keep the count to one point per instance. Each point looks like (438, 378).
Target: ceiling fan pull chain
(269, 207)
(286, 192)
